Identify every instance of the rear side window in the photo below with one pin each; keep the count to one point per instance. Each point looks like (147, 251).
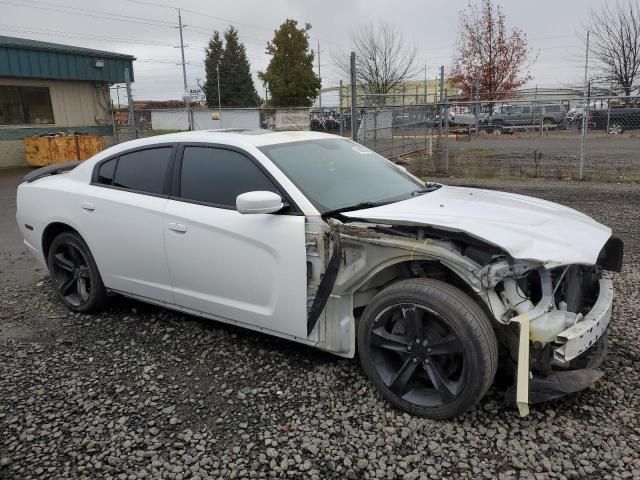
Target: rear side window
(106, 171)
(217, 176)
(553, 108)
(143, 170)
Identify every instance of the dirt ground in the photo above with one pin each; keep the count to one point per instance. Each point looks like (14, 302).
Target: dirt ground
(142, 392)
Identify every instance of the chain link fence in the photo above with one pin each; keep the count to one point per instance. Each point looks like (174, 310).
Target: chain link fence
(528, 134)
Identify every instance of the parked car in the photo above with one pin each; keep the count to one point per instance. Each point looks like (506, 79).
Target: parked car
(551, 115)
(615, 120)
(314, 238)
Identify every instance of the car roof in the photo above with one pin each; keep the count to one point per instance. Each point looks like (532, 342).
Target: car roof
(237, 137)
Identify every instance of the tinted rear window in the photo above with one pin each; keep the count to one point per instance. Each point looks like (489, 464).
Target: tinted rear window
(144, 170)
(218, 176)
(105, 172)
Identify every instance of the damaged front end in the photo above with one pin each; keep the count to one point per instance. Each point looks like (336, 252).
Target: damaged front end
(560, 316)
(549, 319)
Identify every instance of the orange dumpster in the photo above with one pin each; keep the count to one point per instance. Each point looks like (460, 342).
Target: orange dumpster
(46, 150)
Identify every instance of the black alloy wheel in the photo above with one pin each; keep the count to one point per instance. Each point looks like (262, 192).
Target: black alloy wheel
(74, 274)
(428, 348)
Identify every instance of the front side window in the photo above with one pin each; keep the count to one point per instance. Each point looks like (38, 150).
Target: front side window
(25, 105)
(337, 173)
(217, 176)
(143, 170)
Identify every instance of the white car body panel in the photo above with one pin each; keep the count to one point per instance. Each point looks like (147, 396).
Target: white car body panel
(126, 236)
(245, 267)
(527, 228)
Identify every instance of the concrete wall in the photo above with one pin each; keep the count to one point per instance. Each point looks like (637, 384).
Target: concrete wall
(78, 106)
(169, 120)
(203, 119)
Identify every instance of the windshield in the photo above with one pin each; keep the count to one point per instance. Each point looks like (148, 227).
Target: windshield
(337, 173)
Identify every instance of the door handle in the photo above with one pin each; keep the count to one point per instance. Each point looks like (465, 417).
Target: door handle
(90, 207)
(177, 227)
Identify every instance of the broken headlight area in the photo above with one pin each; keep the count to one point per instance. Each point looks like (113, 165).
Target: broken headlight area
(555, 326)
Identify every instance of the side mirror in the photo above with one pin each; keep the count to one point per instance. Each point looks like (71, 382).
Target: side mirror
(403, 168)
(258, 202)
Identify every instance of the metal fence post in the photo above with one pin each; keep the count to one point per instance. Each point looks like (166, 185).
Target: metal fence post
(132, 115)
(477, 105)
(446, 132)
(585, 118)
(363, 140)
(113, 120)
(354, 110)
(608, 113)
(341, 115)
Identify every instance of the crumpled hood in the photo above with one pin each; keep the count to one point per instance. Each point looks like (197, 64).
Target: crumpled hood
(527, 228)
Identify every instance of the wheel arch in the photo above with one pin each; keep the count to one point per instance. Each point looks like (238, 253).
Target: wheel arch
(405, 267)
(51, 231)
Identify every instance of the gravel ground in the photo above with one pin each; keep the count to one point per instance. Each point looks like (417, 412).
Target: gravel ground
(142, 392)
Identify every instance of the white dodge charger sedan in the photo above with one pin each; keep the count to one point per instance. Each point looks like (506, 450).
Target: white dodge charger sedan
(314, 238)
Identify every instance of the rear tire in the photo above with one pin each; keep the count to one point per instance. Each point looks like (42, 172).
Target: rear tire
(428, 348)
(74, 274)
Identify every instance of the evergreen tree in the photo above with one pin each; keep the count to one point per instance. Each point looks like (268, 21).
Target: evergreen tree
(213, 54)
(290, 77)
(236, 84)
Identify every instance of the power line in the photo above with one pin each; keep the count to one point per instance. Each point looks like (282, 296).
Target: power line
(59, 33)
(94, 14)
(226, 20)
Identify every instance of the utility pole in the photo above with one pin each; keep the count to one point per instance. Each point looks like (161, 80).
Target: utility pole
(184, 71)
(219, 102)
(132, 115)
(585, 114)
(354, 110)
(320, 77)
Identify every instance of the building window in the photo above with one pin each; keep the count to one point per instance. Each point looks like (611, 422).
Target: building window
(25, 105)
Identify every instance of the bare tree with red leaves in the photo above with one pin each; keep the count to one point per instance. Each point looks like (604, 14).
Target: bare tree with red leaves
(499, 60)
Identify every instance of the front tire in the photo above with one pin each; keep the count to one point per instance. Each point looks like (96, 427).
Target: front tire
(74, 274)
(428, 348)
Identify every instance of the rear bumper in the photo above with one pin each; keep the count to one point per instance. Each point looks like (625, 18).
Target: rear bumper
(575, 340)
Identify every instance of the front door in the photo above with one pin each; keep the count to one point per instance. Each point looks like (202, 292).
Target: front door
(248, 268)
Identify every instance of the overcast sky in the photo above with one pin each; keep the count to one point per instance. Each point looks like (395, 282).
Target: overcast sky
(554, 29)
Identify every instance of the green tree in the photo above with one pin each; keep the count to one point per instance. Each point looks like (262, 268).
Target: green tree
(213, 54)
(236, 84)
(290, 77)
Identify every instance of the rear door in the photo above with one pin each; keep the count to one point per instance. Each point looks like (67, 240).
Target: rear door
(248, 268)
(123, 221)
